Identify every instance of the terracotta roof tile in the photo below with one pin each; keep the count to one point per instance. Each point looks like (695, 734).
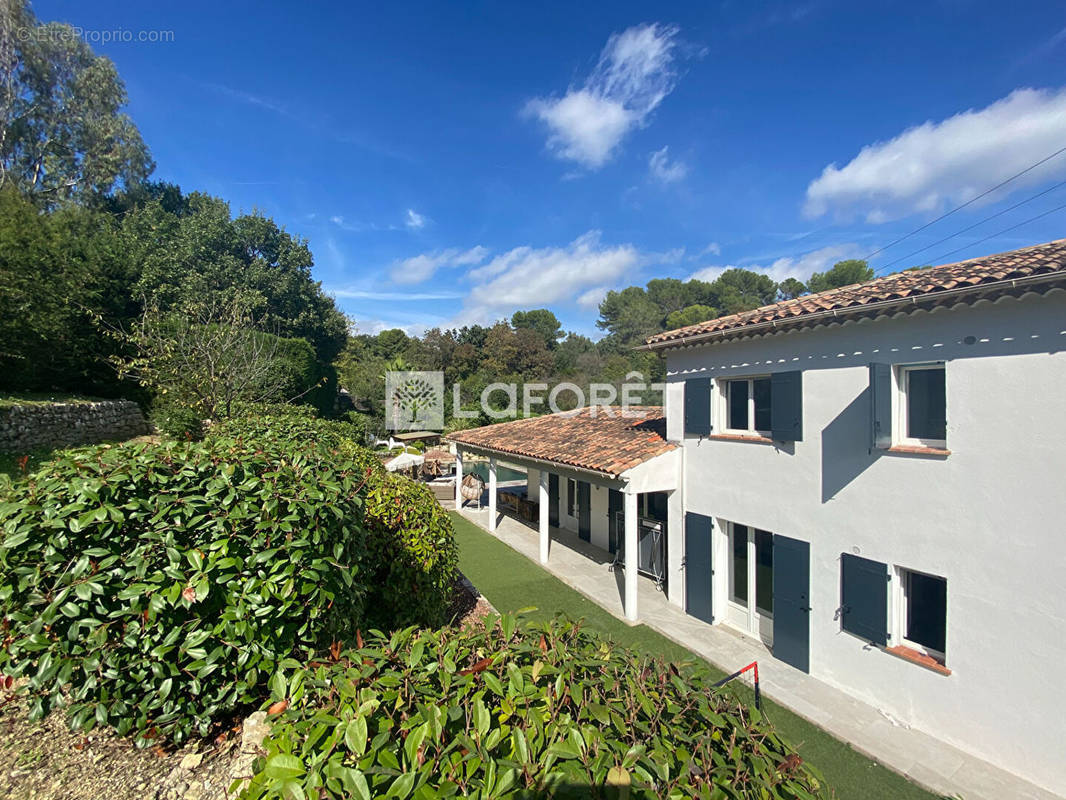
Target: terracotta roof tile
(1041, 259)
(592, 439)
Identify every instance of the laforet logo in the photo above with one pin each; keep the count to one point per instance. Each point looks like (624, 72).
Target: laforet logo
(415, 400)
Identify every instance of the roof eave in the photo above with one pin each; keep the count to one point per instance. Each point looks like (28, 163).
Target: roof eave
(493, 451)
(881, 305)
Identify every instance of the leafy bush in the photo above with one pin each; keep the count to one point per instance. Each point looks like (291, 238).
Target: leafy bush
(285, 424)
(157, 588)
(176, 420)
(517, 711)
(412, 552)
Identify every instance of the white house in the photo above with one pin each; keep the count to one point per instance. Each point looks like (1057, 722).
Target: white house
(872, 481)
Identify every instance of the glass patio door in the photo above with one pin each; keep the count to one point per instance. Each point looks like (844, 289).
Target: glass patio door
(751, 581)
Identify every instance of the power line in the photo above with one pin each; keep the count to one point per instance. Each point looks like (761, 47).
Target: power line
(985, 193)
(971, 227)
(1000, 233)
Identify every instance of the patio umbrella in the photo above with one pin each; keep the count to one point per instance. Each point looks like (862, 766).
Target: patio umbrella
(404, 461)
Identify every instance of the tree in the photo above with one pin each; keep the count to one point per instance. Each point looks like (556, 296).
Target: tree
(570, 351)
(543, 322)
(63, 132)
(207, 357)
(790, 288)
(56, 271)
(690, 316)
(742, 290)
(671, 295)
(843, 273)
(391, 344)
(185, 252)
(629, 316)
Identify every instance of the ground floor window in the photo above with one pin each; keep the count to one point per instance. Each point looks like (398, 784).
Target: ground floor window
(923, 612)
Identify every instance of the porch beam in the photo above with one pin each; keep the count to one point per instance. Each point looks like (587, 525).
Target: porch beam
(458, 478)
(492, 494)
(632, 554)
(545, 535)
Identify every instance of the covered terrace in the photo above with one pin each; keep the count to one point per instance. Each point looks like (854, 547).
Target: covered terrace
(606, 474)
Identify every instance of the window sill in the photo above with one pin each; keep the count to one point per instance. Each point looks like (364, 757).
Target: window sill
(741, 437)
(921, 659)
(915, 450)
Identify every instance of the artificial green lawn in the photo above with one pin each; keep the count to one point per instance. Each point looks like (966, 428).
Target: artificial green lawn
(510, 581)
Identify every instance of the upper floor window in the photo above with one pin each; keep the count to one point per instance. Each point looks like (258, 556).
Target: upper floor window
(747, 405)
(922, 405)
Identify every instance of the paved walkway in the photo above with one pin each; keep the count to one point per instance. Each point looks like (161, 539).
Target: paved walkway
(938, 766)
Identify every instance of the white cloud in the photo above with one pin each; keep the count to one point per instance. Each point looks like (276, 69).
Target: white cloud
(528, 277)
(931, 166)
(633, 75)
(414, 220)
(422, 267)
(373, 327)
(800, 267)
(663, 170)
(365, 294)
(713, 249)
(593, 297)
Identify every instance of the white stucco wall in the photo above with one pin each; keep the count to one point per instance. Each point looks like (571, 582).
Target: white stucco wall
(990, 518)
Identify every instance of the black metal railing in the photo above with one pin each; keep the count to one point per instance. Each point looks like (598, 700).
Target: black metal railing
(651, 546)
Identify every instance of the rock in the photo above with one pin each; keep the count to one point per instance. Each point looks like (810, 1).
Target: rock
(192, 761)
(253, 732)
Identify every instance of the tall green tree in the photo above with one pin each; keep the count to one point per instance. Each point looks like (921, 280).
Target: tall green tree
(58, 271)
(690, 315)
(543, 322)
(629, 316)
(843, 273)
(63, 132)
(190, 250)
(790, 288)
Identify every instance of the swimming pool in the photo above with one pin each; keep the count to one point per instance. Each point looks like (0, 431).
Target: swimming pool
(481, 469)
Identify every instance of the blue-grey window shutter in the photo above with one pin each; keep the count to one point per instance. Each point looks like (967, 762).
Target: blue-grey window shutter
(698, 406)
(786, 406)
(864, 598)
(880, 406)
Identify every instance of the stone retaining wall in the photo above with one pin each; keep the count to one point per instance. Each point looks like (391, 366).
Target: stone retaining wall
(54, 425)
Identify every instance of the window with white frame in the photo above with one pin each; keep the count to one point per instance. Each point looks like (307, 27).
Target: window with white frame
(922, 606)
(745, 405)
(921, 405)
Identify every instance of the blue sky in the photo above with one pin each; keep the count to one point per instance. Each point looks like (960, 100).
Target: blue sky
(451, 163)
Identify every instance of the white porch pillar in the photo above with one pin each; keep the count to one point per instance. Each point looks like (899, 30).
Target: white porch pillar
(632, 554)
(492, 494)
(545, 535)
(458, 478)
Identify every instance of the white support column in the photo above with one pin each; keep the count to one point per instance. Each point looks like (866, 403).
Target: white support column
(632, 554)
(545, 534)
(458, 478)
(492, 494)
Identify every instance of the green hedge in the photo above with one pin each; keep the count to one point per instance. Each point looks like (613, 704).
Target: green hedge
(162, 585)
(515, 711)
(176, 420)
(412, 545)
(412, 557)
